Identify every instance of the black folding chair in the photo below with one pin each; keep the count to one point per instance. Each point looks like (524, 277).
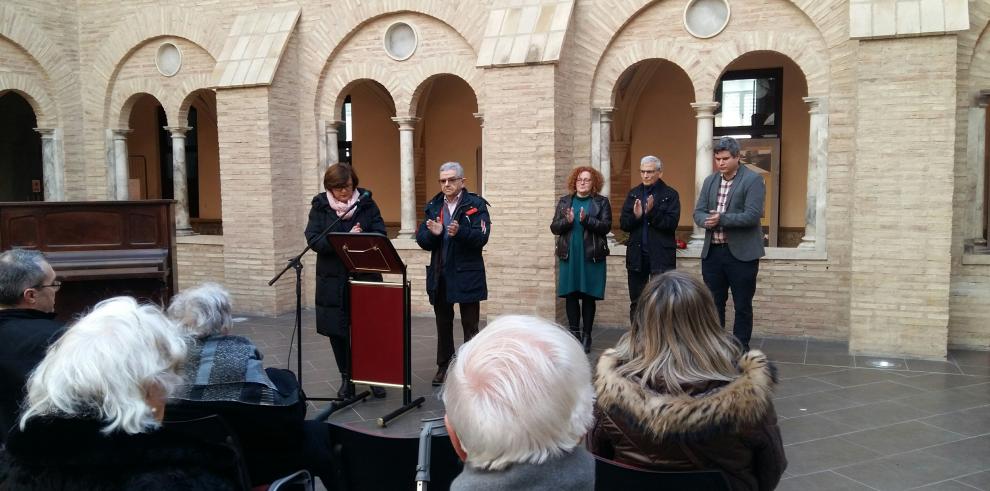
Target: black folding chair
(610, 475)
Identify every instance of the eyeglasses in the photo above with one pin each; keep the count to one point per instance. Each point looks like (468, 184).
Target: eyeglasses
(55, 284)
(451, 180)
(644, 171)
(582, 180)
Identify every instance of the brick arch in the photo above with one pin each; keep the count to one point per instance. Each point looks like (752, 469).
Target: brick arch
(424, 73)
(130, 91)
(346, 77)
(615, 64)
(21, 30)
(40, 100)
(190, 86)
(145, 25)
(810, 57)
(980, 79)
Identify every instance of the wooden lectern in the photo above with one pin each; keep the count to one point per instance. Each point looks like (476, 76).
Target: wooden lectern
(381, 325)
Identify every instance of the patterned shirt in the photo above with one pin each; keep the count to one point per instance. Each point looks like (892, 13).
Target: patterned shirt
(718, 235)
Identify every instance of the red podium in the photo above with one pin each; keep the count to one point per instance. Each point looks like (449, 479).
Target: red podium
(381, 345)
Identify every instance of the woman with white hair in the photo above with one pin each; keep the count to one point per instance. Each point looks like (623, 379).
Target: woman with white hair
(519, 401)
(676, 393)
(94, 408)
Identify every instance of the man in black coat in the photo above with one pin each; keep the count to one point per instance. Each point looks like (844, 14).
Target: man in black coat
(27, 325)
(455, 231)
(649, 215)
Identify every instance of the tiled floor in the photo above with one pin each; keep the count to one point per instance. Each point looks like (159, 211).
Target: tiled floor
(846, 424)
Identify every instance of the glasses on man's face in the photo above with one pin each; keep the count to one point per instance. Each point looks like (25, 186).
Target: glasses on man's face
(54, 285)
(452, 180)
(647, 171)
(583, 180)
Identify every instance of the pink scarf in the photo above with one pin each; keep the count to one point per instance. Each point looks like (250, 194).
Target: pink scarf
(340, 207)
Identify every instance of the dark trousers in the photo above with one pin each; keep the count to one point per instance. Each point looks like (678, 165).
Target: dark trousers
(470, 315)
(580, 307)
(341, 346)
(723, 272)
(638, 281)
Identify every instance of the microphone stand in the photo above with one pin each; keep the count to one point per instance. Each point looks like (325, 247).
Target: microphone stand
(296, 264)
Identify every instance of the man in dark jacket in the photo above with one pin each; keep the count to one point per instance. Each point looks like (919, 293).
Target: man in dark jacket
(27, 325)
(649, 215)
(455, 231)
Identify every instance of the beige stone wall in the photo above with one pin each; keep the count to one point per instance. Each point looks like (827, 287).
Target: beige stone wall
(201, 260)
(902, 220)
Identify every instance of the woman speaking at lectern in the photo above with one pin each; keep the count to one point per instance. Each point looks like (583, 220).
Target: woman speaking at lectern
(332, 291)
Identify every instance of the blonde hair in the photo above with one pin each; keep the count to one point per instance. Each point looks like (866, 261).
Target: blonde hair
(519, 392)
(676, 338)
(105, 363)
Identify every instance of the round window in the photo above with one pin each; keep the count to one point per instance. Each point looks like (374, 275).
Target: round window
(400, 41)
(168, 60)
(706, 18)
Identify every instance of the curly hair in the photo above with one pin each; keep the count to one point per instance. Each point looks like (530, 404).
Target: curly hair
(597, 181)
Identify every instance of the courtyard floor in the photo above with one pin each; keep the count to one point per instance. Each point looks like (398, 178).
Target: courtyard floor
(846, 424)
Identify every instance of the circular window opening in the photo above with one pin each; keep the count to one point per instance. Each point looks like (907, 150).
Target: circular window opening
(706, 18)
(400, 41)
(168, 60)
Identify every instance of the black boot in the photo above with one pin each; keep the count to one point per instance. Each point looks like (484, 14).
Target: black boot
(346, 390)
(378, 392)
(586, 338)
(576, 331)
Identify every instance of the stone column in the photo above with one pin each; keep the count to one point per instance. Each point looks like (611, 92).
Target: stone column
(118, 190)
(407, 176)
(976, 148)
(180, 192)
(605, 149)
(817, 157)
(481, 165)
(51, 165)
(332, 149)
(702, 162)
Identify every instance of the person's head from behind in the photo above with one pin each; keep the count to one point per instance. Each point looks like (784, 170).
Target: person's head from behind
(116, 365)
(27, 281)
(518, 392)
(676, 337)
(202, 311)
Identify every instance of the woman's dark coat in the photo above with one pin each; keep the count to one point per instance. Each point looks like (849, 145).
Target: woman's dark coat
(662, 222)
(72, 454)
(597, 224)
(728, 426)
(463, 267)
(332, 291)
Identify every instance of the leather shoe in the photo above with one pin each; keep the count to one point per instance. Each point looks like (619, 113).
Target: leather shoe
(378, 392)
(587, 343)
(440, 376)
(346, 390)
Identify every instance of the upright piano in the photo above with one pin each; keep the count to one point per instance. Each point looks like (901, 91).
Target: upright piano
(98, 249)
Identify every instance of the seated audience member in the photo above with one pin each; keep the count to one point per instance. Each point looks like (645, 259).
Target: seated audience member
(677, 394)
(94, 406)
(519, 401)
(27, 325)
(223, 374)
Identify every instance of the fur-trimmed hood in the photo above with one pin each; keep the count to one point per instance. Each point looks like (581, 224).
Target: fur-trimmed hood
(743, 402)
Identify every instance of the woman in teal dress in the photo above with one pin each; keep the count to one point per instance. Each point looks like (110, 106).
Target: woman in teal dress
(581, 221)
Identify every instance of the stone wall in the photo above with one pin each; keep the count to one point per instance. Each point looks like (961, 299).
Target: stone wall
(200, 260)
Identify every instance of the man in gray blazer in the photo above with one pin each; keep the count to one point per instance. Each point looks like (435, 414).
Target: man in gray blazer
(729, 208)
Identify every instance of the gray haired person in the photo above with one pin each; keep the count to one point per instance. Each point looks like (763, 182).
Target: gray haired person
(27, 325)
(729, 207)
(519, 402)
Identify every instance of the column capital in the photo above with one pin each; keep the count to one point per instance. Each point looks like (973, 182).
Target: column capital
(480, 117)
(406, 124)
(982, 99)
(605, 113)
(120, 133)
(333, 124)
(177, 131)
(704, 110)
(816, 104)
(46, 132)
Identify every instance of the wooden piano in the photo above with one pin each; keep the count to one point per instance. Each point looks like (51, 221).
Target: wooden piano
(99, 249)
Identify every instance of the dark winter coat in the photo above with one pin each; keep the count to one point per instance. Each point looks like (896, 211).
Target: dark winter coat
(597, 224)
(662, 222)
(25, 335)
(332, 290)
(730, 427)
(72, 454)
(462, 267)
